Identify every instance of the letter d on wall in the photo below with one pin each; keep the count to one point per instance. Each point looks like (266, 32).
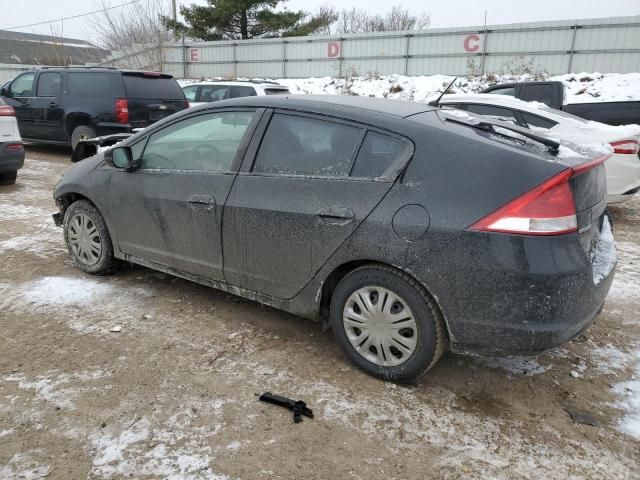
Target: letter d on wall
(333, 49)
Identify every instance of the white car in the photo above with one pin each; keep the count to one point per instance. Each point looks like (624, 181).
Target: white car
(623, 168)
(205, 92)
(11, 149)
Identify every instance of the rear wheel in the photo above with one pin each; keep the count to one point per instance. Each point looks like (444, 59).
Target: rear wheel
(81, 132)
(386, 323)
(87, 238)
(8, 178)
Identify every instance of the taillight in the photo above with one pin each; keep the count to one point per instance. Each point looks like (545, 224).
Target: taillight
(547, 209)
(7, 111)
(16, 147)
(625, 146)
(122, 110)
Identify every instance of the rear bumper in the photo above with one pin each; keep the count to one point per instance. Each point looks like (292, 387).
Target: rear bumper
(10, 160)
(512, 294)
(109, 128)
(623, 176)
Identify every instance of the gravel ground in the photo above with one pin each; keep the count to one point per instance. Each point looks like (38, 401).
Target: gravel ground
(172, 395)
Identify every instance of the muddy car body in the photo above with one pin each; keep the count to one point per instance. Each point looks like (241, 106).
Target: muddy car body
(408, 230)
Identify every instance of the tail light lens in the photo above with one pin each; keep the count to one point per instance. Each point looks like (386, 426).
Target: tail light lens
(16, 147)
(7, 111)
(626, 147)
(122, 110)
(547, 209)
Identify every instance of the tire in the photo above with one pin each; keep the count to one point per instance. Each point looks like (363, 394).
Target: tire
(8, 178)
(421, 340)
(81, 133)
(82, 225)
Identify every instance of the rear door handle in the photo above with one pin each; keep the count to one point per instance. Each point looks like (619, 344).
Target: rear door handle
(202, 201)
(53, 104)
(336, 215)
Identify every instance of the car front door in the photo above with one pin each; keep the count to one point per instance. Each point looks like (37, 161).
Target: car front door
(300, 197)
(45, 106)
(168, 210)
(20, 92)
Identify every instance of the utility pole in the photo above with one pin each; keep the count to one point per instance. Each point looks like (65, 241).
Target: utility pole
(174, 9)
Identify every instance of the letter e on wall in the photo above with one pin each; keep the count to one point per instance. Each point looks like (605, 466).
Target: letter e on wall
(194, 55)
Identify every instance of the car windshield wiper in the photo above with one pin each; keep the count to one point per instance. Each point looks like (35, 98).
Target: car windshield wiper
(490, 127)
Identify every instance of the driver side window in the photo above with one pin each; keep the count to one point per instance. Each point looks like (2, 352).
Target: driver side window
(206, 143)
(23, 85)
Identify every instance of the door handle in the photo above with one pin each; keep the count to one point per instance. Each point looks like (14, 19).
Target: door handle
(336, 215)
(202, 201)
(53, 104)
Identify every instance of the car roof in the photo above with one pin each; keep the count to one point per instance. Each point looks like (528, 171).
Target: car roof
(396, 108)
(240, 83)
(507, 101)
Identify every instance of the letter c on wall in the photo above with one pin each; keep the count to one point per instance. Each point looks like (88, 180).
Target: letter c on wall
(472, 43)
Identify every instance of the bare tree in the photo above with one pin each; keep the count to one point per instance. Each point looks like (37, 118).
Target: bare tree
(359, 21)
(135, 33)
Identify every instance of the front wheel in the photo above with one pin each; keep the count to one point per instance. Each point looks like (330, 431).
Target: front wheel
(87, 238)
(81, 132)
(8, 178)
(386, 323)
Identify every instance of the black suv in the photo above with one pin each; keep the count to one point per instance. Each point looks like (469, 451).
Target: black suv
(66, 105)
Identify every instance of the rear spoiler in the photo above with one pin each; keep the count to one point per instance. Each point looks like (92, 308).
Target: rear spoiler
(89, 147)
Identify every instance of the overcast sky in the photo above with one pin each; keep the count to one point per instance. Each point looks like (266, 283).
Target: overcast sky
(443, 13)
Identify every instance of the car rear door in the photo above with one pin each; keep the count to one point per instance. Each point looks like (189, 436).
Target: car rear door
(151, 97)
(47, 112)
(20, 93)
(168, 210)
(300, 195)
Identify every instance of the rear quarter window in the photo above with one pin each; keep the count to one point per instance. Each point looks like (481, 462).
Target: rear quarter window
(152, 87)
(92, 84)
(377, 154)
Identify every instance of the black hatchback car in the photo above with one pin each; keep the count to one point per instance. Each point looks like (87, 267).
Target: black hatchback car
(66, 105)
(407, 228)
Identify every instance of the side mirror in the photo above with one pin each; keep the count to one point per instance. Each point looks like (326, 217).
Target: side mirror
(4, 92)
(120, 157)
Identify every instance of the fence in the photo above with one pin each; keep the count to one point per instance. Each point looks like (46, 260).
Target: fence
(605, 45)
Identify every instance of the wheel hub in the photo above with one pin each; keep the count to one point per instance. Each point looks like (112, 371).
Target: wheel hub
(380, 326)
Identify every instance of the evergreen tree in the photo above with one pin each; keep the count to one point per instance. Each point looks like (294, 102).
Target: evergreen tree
(242, 19)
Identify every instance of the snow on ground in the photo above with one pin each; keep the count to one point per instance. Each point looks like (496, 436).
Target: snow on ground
(580, 87)
(83, 300)
(629, 392)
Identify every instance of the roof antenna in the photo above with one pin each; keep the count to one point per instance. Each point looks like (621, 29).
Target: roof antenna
(436, 103)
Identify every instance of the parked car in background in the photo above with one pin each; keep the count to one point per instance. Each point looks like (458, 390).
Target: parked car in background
(407, 229)
(11, 149)
(553, 95)
(204, 92)
(623, 168)
(64, 105)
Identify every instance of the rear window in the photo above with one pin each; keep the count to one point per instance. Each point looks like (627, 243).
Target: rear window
(536, 121)
(276, 91)
(242, 92)
(152, 87)
(90, 84)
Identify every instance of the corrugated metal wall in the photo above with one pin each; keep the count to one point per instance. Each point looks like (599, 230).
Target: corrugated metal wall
(604, 45)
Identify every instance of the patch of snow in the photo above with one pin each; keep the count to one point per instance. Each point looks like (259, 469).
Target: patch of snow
(605, 256)
(609, 360)
(24, 467)
(629, 391)
(234, 445)
(4, 433)
(125, 454)
(566, 152)
(65, 291)
(51, 388)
